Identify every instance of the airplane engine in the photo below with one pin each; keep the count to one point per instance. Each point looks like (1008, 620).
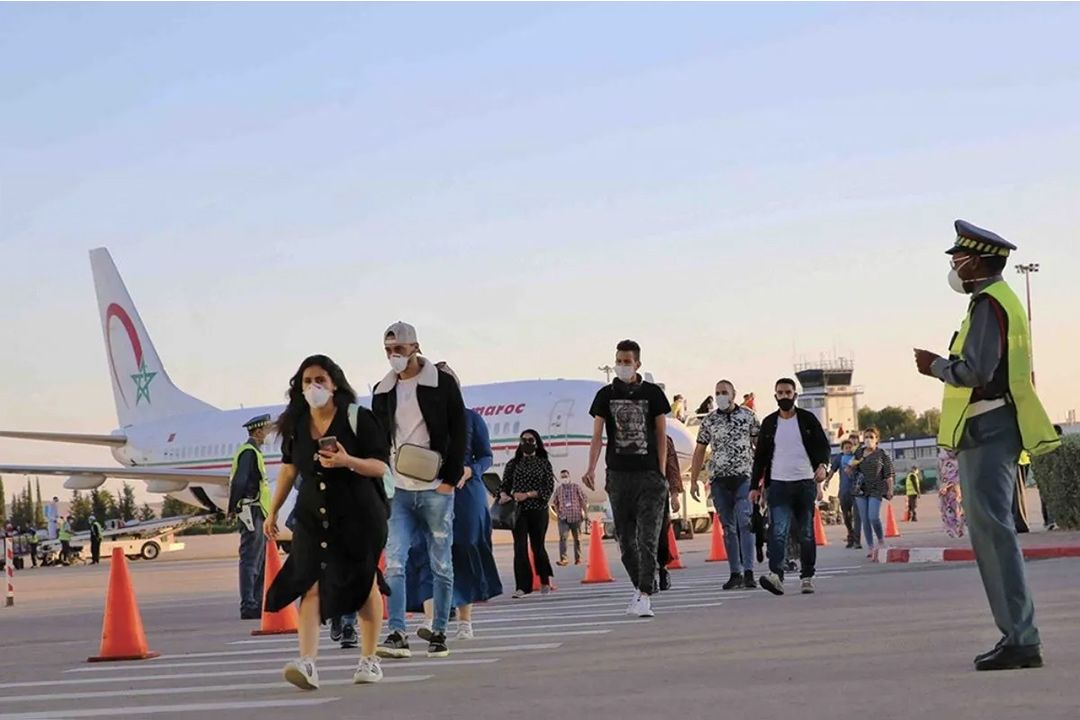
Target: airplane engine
(163, 487)
(84, 482)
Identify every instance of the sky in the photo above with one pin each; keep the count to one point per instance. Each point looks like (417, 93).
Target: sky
(736, 186)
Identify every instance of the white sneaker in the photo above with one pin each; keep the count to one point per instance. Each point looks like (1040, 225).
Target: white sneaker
(632, 608)
(302, 674)
(464, 631)
(644, 607)
(772, 583)
(808, 586)
(369, 671)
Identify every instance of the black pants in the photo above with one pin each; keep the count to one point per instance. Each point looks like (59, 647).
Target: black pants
(531, 529)
(637, 502)
(33, 554)
(912, 505)
(65, 551)
(663, 548)
(851, 518)
(95, 551)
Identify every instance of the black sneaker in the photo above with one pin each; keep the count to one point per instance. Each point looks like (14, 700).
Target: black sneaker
(396, 646)
(349, 638)
(437, 646)
(748, 580)
(336, 630)
(735, 583)
(665, 579)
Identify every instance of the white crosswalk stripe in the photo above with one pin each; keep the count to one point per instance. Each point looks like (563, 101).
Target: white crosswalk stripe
(242, 664)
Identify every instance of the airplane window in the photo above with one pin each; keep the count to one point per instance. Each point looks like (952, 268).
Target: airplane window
(517, 431)
(495, 428)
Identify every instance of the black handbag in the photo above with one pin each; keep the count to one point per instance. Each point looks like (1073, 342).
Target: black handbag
(504, 517)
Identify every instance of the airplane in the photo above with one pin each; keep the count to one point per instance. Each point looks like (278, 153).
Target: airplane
(182, 447)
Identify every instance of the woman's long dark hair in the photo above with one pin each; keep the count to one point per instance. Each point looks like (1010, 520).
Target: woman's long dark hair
(541, 452)
(298, 407)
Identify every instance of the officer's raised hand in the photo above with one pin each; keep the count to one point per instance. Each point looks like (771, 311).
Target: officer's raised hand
(924, 360)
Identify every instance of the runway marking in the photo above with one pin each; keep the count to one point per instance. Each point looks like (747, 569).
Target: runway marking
(145, 692)
(163, 709)
(264, 651)
(476, 625)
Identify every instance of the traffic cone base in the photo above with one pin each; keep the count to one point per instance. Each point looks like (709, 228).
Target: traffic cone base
(676, 559)
(122, 634)
(718, 552)
(819, 529)
(285, 620)
(597, 570)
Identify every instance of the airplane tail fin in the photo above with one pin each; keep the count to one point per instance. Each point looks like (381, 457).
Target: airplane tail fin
(141, 388)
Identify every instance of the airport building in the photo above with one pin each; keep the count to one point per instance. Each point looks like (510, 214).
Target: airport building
(827, 391)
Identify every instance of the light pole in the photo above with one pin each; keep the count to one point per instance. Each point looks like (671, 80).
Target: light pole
(1026, 271)
(607, 370)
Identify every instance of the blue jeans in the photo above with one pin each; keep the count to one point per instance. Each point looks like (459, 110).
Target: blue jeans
(430, 514)
(252, 563)
(870, 514)
(787, 500)
(732, 503)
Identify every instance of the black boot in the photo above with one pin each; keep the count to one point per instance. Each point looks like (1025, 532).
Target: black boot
(748, 580)
(735, 583)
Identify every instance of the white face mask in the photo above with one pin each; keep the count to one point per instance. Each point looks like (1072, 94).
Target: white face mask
(723, 402)
(956, 282)
(625, 372)
(399, 363)
(317, 396)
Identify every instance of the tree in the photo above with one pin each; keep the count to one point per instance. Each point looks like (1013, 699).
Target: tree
(102, 504)
(39, 508)
(3, 504)
(174, 508)
(80, 511)
(146, 513)
(894, 422)
(126, 508)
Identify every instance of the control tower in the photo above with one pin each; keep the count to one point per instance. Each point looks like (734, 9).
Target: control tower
(828, 393)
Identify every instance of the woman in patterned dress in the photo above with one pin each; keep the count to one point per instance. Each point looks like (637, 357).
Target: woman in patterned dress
(949, 500)
(529, 480)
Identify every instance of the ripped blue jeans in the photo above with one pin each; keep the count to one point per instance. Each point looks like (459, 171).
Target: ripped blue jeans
(430, 514)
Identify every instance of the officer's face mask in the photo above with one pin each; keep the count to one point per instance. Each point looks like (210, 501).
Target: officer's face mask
(958, 283)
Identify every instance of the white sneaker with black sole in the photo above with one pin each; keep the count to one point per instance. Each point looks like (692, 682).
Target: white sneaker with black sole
(302, 674)
(772, 583)
(464, 631)
(395, 646)
(369, 671)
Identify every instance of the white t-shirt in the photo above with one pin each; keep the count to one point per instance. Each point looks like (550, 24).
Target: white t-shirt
(790, 462)
(410, 429)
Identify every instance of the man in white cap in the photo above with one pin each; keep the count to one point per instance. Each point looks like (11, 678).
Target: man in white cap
(422, 409)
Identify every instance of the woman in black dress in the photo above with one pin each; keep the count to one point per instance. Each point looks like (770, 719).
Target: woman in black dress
(341, 514)
(529, 480)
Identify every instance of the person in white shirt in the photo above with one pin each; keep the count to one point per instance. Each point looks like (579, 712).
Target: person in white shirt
(792, 460)
(418, 405)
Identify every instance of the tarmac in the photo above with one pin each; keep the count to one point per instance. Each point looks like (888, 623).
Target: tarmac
(881, 641)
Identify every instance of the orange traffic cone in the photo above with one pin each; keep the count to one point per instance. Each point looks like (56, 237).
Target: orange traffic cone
(819, 529)
(536, 578)
(284, 621)
(718, 551)
(890, 523)
(122, 635)
(676, 560)
(597, 571)
(907, 517)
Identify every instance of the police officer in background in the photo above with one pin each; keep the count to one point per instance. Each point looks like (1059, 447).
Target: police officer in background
(249, 501)
(989, 413)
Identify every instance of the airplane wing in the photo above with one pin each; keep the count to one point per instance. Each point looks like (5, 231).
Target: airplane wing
(203, 477)
(76, 439)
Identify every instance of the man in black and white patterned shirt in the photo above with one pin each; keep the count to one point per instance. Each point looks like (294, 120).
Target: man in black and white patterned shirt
(731, 430)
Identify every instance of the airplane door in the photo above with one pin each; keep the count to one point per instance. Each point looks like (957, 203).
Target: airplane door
(559, 429)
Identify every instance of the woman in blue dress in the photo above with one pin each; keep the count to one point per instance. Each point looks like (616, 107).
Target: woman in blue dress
(476, 577)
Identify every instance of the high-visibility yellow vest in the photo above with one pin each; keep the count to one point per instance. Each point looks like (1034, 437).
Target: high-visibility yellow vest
(65, 532)
(1036, 431)
(264, 485)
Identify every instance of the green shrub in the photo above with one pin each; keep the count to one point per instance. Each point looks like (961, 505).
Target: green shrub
(1058, 476)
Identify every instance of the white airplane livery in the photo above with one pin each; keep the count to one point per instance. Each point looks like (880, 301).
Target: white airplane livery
(183, 447)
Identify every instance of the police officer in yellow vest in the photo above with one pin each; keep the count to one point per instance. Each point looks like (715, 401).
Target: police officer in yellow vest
(989, 413)
(249, 501)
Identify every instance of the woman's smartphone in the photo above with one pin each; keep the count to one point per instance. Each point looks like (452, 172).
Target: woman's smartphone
(328, 443)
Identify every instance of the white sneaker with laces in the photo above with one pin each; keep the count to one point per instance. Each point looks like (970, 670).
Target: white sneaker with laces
(302, 674)
(808, 586)
(644, 607)
(464, 631)
(369, 671)
(632, 608)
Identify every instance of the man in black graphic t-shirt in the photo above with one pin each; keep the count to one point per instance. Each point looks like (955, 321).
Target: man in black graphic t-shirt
(633, 412)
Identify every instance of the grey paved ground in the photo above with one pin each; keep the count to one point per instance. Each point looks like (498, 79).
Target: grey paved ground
(876, 642)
